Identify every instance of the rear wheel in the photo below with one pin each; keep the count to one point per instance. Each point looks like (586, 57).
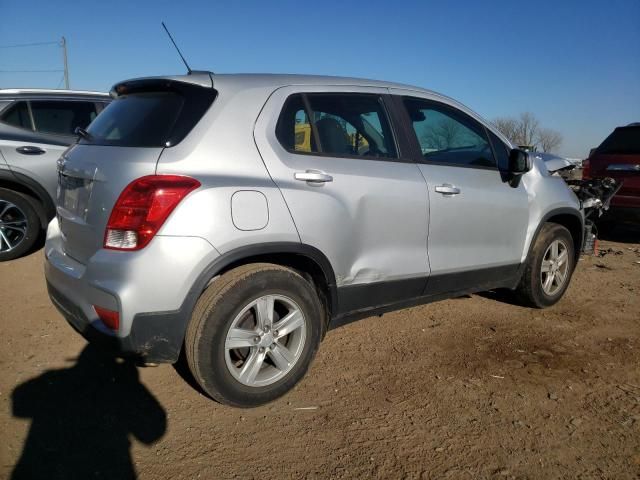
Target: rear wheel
(549, 267)
(19, 225)
(253, 334)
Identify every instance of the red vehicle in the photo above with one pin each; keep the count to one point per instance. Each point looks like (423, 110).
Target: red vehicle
(618, 157)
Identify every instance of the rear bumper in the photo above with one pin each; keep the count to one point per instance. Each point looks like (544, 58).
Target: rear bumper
(151, 289)
(154, 337)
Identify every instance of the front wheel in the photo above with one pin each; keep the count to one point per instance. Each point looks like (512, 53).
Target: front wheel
(253, 334)
(549, 267)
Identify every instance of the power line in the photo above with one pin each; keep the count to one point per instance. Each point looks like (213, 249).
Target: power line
(20, 45)
(31, 71)
(62, 43)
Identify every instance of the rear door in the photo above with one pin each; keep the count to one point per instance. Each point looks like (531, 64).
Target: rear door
(478, 220)
(351, 190)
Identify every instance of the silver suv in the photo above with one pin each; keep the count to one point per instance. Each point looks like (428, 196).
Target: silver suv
(36, 126)
(238, 217)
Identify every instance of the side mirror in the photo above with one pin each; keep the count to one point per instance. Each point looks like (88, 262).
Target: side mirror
(519, 162)
(592, 151)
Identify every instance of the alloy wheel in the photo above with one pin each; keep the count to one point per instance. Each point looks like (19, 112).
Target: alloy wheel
(555, 267)
(265, 340)
(13, 226)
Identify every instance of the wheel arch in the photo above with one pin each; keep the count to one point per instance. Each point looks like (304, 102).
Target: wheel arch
(305, 259)
(145, 338)
(568, 218)
(29, 187)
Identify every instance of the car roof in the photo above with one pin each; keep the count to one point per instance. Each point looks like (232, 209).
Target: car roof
(44, 92)
(239, 81)
(276, 80)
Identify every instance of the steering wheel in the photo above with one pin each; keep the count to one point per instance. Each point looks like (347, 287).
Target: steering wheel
(373, 151)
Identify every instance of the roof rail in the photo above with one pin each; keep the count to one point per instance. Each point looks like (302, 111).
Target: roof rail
(53, 91)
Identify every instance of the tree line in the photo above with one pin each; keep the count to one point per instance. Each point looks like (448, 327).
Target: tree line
(526, 130)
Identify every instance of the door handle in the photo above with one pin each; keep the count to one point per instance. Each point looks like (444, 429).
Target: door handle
(447, 189)
(313, 176)
(30, 150)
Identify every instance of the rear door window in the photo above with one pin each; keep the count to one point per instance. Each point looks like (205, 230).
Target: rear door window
(294, 127)
(17, 115)
(337, 124)
(623, 141)
(62, 117)
(448, 136)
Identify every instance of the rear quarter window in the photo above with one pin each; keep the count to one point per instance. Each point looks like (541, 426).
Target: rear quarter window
(17, 115)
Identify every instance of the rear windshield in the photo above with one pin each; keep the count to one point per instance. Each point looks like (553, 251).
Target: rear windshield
(625, 140)
(150, 118)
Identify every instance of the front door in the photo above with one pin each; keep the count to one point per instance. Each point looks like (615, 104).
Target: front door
(478, 220)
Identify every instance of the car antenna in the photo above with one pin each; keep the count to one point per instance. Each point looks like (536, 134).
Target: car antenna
(179, 52)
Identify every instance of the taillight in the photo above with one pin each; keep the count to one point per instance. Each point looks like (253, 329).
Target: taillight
(586, 169)
(110, 318)
(142, 208)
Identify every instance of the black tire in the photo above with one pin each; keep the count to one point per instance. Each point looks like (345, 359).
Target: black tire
(216, 310)
(26, 209)
(530, 289)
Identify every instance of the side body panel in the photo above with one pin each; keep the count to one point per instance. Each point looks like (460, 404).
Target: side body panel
(546, 193)
(483, 227)
(41, 168)
(221, 154)
(370, 220)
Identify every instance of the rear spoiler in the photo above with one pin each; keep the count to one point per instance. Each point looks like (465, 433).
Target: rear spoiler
(202, 79)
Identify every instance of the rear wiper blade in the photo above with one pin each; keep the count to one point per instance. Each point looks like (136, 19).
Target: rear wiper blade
(83, 133)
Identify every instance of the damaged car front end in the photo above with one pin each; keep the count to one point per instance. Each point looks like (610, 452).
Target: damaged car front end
(595, 195)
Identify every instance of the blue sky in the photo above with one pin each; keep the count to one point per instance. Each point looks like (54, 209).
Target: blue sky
(574, 64)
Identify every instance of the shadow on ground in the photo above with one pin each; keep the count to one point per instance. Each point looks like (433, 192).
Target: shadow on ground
(82, 417)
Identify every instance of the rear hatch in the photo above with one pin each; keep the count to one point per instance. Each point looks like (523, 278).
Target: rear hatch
(618, 157)
(122, 144)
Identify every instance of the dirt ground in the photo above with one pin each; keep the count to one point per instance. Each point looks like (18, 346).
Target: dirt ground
(473, 387)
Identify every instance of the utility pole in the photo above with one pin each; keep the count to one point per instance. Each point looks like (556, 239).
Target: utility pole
(63, 44)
